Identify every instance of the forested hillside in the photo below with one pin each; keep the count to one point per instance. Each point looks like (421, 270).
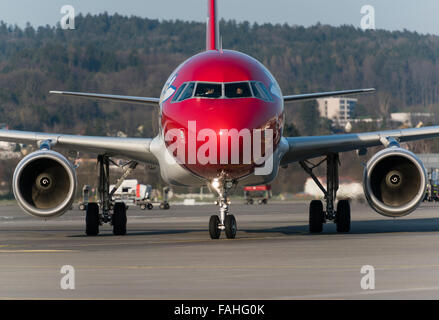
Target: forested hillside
(134, 56)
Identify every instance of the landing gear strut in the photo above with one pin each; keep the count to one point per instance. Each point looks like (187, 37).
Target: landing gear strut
(317, 215)
(225, 221)
(165, 204)
(108, 212)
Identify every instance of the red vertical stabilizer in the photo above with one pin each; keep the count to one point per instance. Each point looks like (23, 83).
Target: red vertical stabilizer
(212, 39)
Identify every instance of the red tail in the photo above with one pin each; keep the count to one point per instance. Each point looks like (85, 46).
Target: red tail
(212, 41)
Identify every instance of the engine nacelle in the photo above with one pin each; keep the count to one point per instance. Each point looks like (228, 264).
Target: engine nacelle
(394, 182)
(44, 184)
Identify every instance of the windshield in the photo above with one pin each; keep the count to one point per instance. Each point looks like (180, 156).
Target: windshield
(231, 90)
(260, 91)
(187, 93)
(237, 90)
(179, 91)
(208, 90)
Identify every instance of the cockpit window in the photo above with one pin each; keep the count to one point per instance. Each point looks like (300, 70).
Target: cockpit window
(260, 91)
(264, 89)
(231, 90)
(256, 91)
(187, 93)
(179, 91)
(237, 90)
(208, 90)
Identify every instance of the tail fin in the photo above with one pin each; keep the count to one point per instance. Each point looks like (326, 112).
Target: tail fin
(212, 39)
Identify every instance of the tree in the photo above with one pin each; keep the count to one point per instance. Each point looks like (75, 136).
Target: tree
(309, 118)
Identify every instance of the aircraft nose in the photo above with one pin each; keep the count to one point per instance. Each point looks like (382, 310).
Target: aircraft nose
(220, 138)
(226, 138)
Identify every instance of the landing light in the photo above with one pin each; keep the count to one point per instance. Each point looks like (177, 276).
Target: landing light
(215, 184)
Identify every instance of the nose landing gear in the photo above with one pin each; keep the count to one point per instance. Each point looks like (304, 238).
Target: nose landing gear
(224, 221)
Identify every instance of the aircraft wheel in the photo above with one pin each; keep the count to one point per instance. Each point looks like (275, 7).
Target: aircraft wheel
(92, 219)
(316, 216)
(164, 206)
(119, 219)
(230, 226)
(343, 216)
(214, 229)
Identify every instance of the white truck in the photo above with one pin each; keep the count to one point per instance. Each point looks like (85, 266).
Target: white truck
(133, 194)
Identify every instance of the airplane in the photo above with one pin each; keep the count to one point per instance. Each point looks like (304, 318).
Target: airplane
(220, 91)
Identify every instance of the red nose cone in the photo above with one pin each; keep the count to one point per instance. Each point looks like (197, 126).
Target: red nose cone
(218, 136)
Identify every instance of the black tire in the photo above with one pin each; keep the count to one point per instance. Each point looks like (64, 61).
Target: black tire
(250, 201)
(316, 217)
(230, 226)
(343, 217)
(119, 219)
(82, 207)
(164, 206)
(214, 231)
(92, 219)
(149, 206)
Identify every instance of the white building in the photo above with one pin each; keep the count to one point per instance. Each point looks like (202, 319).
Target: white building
(339, 110)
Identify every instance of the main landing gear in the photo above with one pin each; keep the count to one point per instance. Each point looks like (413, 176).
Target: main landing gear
(317, 215)
(106, 211)
(225, 221)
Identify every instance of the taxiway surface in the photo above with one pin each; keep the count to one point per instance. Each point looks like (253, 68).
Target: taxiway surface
(169, 255)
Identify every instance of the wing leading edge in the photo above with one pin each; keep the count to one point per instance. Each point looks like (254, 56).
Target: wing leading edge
(302, 148)
(132, 148)
(109, 97)
(311, 96)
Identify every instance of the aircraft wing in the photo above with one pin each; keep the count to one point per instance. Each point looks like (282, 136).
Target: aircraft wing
(132, 148)
(311, 96)
(302, 148)
(109, 97)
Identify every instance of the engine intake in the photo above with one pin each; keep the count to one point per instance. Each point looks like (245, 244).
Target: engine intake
(44, 184)
(394, 182)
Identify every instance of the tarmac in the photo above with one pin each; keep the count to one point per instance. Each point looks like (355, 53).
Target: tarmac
(168, 254)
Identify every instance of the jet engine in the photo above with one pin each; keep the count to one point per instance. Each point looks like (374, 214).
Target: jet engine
(394, 182)
(44, 184)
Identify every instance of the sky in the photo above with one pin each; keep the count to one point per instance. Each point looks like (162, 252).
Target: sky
(421, 15)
